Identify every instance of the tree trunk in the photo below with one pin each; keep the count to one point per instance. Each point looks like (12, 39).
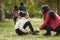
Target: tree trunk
(2, 15)
(58, 7)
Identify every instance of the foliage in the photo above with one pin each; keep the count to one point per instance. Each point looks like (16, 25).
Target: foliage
(33, 6)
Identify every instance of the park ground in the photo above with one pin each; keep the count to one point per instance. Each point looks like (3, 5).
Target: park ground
(7, 31)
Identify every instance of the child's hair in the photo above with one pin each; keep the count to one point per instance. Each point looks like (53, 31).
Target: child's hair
(22, 14)
(45, 8)
(52, 14)
(15, 7)
(21, 3)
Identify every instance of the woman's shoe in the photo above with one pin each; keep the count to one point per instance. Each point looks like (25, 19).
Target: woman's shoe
(47, 34)
(57, 34)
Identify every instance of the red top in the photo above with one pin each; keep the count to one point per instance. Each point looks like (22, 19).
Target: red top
(54, 23)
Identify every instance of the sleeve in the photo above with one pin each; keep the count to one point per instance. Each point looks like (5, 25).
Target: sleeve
(45, 22)
(21, 28)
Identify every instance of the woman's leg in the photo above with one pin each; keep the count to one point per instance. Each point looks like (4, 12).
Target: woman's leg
(30, 26)
(57, 30)
(48, 29)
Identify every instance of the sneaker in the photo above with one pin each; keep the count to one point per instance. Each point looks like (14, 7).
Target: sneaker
(47, 34)
(36, 31)
(57, 34)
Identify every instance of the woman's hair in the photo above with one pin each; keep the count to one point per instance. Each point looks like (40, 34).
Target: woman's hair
(15, 7)
(52, 14)
(45, 8)
(22, 14)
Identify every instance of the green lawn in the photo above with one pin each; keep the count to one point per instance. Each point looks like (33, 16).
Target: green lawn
(7, 31)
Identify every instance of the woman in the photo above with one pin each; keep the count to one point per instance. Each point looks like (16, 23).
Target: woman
(51, 21)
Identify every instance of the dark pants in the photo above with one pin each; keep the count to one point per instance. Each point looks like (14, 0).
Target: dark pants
(19, 32)
(15, 19)
(25, 25)
(49, 28)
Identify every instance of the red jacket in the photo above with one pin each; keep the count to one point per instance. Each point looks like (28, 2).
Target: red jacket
(53, 23)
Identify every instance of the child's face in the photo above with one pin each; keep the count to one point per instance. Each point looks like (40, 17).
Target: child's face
(27, 16)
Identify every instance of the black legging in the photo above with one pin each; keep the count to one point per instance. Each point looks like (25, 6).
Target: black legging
(30, 26)
(19, 32)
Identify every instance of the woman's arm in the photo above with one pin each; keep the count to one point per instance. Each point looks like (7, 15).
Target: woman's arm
(45, 21)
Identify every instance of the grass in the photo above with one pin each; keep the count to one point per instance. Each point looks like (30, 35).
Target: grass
(7, 31)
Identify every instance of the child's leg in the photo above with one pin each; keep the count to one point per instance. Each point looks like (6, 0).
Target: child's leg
(15, 19)
(19, 32)
(30, 26)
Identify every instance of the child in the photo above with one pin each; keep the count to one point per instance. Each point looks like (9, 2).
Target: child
(20, 27)
(22, 7)
(51, 21)
(15, 14)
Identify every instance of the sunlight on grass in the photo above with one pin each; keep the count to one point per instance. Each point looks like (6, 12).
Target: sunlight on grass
(7, 31)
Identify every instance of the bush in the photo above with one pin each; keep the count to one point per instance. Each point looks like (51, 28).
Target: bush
(8, 15)
(35, 13)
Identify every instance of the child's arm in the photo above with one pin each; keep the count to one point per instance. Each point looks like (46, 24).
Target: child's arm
(20, 26)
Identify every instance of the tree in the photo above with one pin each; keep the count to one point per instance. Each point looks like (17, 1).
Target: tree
(2, 15)
(33, 6)
(58, 7)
